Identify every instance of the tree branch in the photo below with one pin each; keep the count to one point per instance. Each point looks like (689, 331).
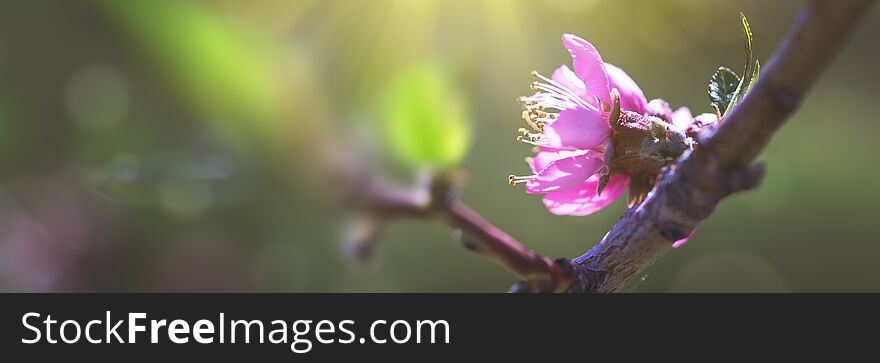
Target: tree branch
(686, 192)
(689, 191)
(540, 274)
(437, 199)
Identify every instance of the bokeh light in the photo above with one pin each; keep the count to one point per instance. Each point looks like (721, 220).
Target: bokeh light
(184, 145)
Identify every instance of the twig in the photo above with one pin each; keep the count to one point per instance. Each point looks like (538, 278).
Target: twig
(438, 200)
(539, 272)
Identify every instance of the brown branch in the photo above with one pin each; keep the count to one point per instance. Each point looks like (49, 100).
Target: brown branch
(539, 273)
(687, 193)
(438, 200)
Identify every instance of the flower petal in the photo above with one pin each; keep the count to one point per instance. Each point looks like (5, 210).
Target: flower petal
(682, 241)
(631, 96)
(564, 173)
(706, 119)
(547, 155)
(564, 76)
(582, 200)
(682, 118)
(589, 67)
(577, 128)
(659, 108)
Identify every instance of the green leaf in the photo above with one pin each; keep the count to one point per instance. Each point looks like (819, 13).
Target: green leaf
(749, 72)
(747, 38)
(227, 74)
(425, 119)
(755, 76)
(722, 87)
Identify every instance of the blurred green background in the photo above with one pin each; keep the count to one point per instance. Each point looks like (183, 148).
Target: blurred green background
(174, 146)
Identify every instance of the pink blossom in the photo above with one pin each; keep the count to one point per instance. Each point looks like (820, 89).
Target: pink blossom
(569, 125)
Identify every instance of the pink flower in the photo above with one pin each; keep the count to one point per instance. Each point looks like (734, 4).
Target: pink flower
(569, 120)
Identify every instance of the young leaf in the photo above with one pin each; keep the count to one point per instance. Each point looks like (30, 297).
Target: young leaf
(425, 118)
(748, 73)
(755, 76)
(752, 65)
(747, 38)
(722, 87)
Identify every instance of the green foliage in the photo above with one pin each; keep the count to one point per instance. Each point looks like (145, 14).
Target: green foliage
(425, 119)
(224, 72)
(720, 92)
(756, 74)
(722, 87)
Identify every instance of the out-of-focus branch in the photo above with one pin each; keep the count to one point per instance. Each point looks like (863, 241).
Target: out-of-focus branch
(722, 165)
(438, 200)
(540, 274)
(348, 173)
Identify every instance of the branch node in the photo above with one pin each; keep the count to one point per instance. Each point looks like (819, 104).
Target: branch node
(745, 179)
(672, 233)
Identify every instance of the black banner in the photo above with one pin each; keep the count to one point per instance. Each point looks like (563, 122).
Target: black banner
(330, 327)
